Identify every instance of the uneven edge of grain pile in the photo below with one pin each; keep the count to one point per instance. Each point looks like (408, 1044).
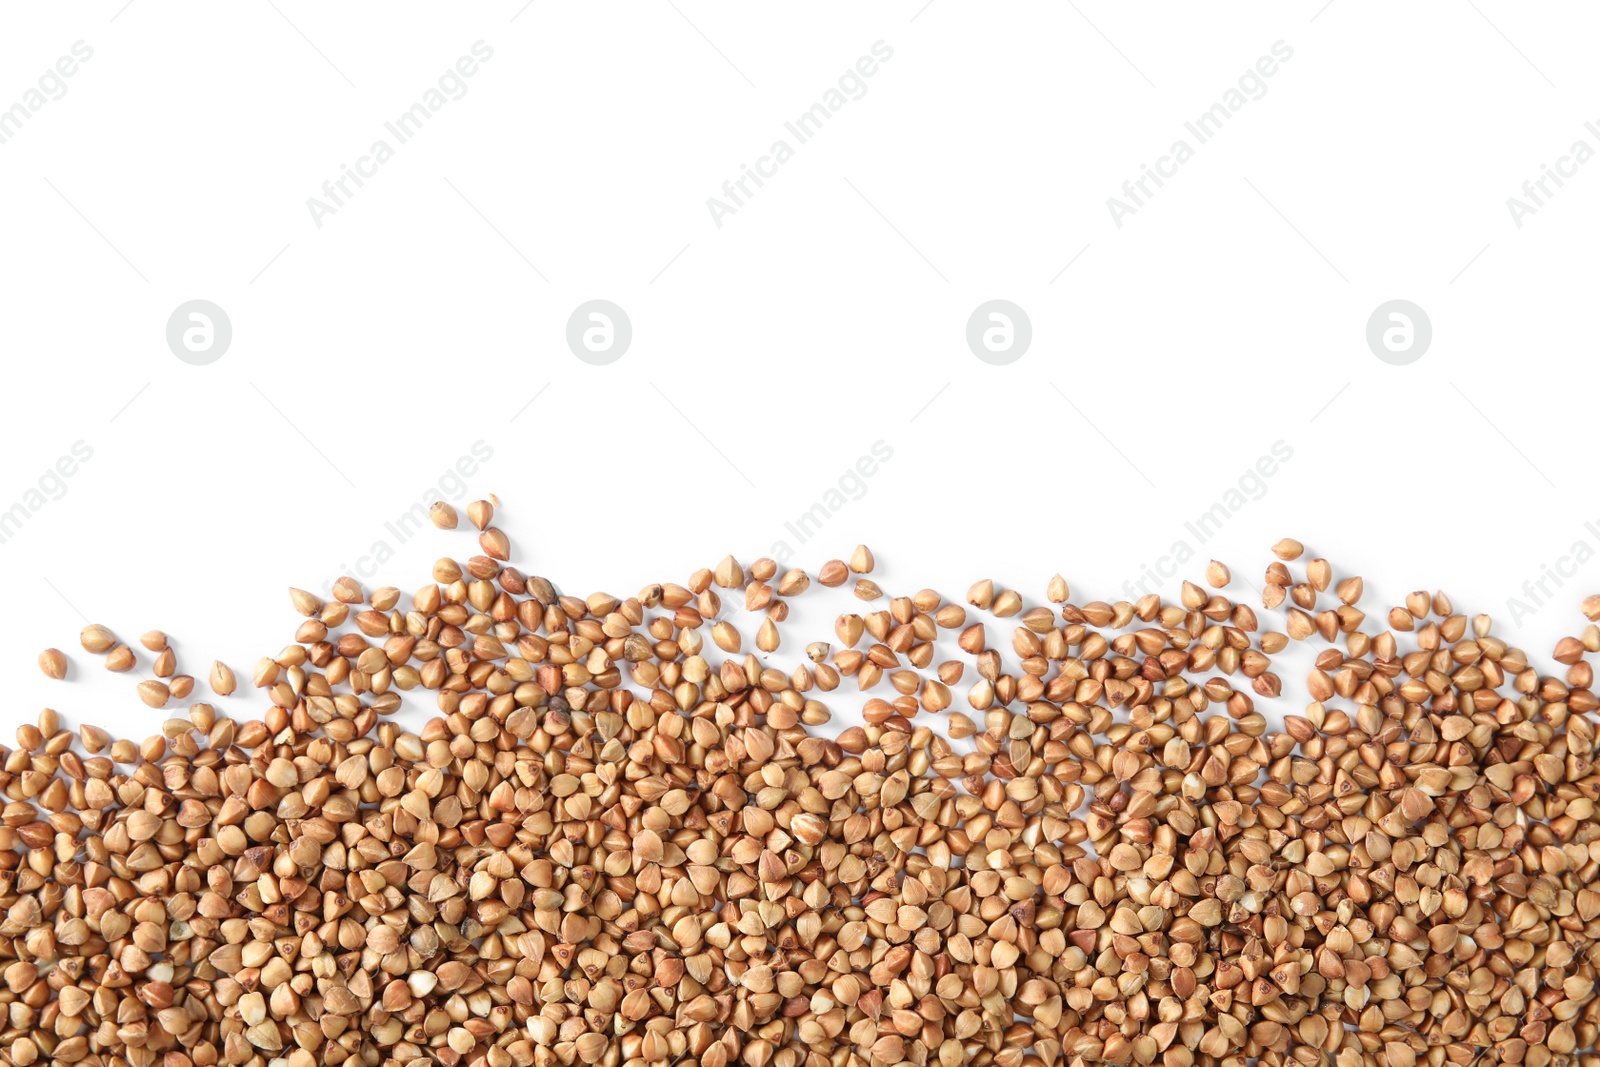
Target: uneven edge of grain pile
(619, 842)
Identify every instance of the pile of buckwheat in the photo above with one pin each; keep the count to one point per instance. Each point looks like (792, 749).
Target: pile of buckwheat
(620, 840)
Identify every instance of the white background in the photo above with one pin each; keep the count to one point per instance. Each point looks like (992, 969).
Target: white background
(428, 313)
